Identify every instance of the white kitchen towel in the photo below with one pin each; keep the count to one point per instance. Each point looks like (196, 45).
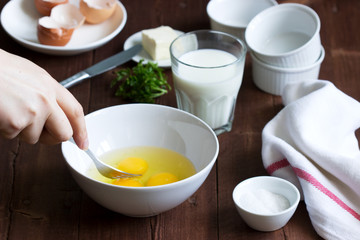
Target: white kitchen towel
(311, 142)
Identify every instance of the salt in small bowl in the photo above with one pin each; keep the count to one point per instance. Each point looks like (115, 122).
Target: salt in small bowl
(255, 200)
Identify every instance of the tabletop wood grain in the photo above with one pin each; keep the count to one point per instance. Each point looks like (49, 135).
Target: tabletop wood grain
(40, 200)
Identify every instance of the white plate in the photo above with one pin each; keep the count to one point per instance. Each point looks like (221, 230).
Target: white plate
(19, 19)
(136, 39)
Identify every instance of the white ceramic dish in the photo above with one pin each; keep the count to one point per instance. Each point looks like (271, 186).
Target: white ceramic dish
(124, 126)
(285, 35)
(233, 16)
(19, 19)
(269, 221)
(136, 39)
(272, 79)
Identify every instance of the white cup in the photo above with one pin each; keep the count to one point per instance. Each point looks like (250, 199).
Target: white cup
(207, 70)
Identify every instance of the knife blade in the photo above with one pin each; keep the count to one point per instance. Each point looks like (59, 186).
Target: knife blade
(103, 66)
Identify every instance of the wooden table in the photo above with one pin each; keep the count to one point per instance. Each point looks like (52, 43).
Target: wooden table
(40, 200)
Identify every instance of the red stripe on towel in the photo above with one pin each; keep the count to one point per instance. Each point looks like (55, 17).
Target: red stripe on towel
(277, 165)
(313, 181)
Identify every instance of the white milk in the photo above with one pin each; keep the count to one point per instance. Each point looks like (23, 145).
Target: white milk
(209, 91)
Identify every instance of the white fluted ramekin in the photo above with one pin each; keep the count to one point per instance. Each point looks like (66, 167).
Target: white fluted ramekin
(272, 79)
(233, 16)
(285, 35)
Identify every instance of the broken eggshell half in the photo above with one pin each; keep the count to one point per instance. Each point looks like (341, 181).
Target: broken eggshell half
(57, 29)
(44, 6)
(97, 11)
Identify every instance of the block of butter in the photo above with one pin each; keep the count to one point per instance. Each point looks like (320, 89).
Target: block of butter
(156, 41)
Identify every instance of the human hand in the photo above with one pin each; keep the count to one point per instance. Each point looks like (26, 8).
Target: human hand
(35, 107)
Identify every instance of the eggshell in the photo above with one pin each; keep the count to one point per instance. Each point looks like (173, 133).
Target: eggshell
(97, 11)
(44, 6)
(50, 33)
(57, 29)
(67, 15)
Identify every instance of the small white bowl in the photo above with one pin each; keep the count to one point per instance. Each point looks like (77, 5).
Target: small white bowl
(143, 125)
(267, 221)
(232, 16)
(286, 35)
(272, 79)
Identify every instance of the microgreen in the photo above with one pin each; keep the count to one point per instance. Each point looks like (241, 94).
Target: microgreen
(142, 83)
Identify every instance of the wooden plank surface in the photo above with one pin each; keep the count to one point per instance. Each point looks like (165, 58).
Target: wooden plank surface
(40, 200)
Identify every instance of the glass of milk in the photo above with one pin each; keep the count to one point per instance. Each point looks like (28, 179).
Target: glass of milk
(208, 69)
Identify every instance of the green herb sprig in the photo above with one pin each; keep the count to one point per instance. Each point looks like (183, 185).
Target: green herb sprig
(143, 83)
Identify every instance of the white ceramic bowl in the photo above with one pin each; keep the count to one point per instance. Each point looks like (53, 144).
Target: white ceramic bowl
(272, 79)
(285, 35)
(232, 16)
(269, 221)
(138, 125)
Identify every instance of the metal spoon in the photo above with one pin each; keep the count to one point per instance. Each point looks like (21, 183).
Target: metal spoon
(104, 169)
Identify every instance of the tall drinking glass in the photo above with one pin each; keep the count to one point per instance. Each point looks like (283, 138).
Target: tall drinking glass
(207, 69)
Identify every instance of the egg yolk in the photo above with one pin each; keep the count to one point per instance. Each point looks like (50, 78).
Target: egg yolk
(133, 165)
(128, 182)
(161, 179)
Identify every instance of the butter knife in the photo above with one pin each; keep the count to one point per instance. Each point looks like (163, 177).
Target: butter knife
(103, 66)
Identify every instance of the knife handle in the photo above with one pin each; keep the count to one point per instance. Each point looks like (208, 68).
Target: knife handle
(75, 79)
